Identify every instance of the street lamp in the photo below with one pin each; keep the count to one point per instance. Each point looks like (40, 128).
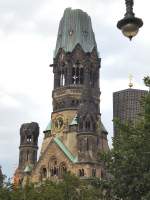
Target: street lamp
(130, 24)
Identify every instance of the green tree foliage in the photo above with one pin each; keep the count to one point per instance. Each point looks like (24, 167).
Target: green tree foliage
(1, 177)
(70, 188)
(147, 81)
(128, 163)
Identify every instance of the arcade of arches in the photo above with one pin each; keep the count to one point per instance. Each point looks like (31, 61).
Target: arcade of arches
(55, 169)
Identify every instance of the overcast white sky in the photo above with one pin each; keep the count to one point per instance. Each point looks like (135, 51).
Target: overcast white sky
(28, 32)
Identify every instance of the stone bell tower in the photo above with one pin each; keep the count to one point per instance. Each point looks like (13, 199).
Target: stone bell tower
(75, 133)
(29, 133)
(76, 66)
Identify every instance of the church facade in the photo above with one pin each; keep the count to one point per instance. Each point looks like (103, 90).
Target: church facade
(75, 134)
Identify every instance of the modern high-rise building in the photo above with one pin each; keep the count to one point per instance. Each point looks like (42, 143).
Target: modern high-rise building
(75, 134)
(127, 105)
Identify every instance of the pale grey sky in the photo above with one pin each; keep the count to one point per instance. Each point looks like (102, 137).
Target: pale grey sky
(28, 31)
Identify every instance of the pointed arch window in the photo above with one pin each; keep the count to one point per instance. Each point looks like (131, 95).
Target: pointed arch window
(81, 172)
(63, 73)
(29, 138)
(90, 124)
(54, 169)
(44, 172)
(81, 124)
(62, 79)
(62, 169)
(94, 172)
(92, 78)
(94, 126)
(87, 124)
(77, 74)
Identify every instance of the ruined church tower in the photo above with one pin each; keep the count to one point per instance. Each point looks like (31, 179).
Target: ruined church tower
(75, 133)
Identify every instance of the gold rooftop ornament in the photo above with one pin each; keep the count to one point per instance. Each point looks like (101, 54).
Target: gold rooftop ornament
(130, 81)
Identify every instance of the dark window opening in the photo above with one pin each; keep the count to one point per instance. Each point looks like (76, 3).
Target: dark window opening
(94, 126)
(54, 171)
(94, 172)
(90, 124)
(29, 138)
(77, 102)
(81, 126)
(44, 173)
(62, 79)
(20, 181)
(87, 125)
(77, 75)
(97, 140)
(35, 140)
(62, 169)
(59, 105)
(81, 76)
(102, 174)
(92, 80)
(55, 162)
(72, 102)
(81, 172)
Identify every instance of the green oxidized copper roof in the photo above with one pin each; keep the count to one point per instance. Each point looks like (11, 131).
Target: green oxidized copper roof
(49, 127)
(74, 121)
(28, 168)
(75, 28)
(65, 150)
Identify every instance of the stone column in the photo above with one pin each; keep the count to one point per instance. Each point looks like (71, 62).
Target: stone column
(56, 79)
(87, 76)
(68, 75)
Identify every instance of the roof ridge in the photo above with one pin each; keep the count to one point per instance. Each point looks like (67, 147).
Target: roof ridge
(62, 147)
(40, 157)
(65, 149)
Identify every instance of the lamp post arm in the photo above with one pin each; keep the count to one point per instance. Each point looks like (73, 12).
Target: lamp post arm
(129, 8)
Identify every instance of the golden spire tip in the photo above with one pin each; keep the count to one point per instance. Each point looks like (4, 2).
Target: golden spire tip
(130, 81)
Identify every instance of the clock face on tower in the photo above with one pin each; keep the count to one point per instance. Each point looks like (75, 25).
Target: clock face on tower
(58, 123)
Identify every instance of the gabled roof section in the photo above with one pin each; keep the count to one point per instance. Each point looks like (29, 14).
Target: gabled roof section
(28, 168)
(74, 121)
(65, 150)
(75, 28)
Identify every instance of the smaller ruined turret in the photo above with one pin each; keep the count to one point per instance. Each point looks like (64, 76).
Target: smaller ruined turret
(29, 133)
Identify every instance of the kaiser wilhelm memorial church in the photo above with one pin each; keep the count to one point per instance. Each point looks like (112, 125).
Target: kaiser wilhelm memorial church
(75, 133)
